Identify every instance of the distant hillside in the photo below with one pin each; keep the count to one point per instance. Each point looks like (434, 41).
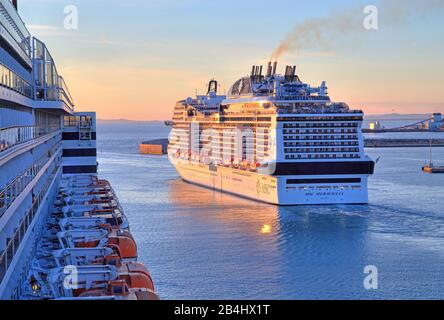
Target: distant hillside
(396, 116)
(126, 121)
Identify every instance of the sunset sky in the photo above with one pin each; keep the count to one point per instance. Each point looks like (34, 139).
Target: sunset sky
(134, 59)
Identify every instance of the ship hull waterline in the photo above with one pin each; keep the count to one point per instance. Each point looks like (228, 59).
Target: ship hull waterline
(274, 189)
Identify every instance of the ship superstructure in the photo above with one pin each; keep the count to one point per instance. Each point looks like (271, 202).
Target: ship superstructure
(50, 196)
(272, 138)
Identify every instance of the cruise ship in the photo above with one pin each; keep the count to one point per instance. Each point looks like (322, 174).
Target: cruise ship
(63, 233)
(272, 138)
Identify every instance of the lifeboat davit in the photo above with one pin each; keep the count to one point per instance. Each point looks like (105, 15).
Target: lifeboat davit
(123, 240)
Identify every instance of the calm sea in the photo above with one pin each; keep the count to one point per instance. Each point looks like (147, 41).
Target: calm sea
(200, 244)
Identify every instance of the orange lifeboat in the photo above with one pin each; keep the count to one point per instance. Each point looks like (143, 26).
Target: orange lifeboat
(120, 289)
(135, 274)
(123, 240)
(88, 244)
(126, 243)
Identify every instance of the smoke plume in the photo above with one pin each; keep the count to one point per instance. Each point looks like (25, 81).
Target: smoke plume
(321, 32)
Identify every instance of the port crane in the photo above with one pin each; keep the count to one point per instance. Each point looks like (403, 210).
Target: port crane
(432, 123)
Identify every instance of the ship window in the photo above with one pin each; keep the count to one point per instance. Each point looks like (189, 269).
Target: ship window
(85, 135)
(70, 121)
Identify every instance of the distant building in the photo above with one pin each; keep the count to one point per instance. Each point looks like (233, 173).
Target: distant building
(435, 123)
(154, 147)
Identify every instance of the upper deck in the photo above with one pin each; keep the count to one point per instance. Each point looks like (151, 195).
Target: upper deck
(28, 73)
(276, 87)
(14, 32)
(261, 94)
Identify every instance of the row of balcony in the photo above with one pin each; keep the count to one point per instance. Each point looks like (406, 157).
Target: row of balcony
(7, 256)
(14, 31)
(13, 190)
(11, 80)
(13, 136)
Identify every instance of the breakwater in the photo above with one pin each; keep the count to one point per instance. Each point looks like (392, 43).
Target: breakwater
(402, 143)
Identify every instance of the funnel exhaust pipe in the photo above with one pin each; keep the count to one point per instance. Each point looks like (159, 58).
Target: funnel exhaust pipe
(269, 70)
(288, 71)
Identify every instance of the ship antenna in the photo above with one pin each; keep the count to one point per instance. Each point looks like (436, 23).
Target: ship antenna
(431, 152)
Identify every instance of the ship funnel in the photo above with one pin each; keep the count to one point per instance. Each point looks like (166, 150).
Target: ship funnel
(293, 74)
(256, 73)
(269, 69)
(287, 73)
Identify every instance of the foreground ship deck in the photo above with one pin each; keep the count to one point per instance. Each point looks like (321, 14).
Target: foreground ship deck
(273, 139)
(44, 146)
(86, 250)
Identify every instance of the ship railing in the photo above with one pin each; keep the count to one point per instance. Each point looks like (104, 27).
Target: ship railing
(65, 91)
(7, 256)
(13, 136)
(317, 110)
(301, 98)
(13, 190)
(56, 93)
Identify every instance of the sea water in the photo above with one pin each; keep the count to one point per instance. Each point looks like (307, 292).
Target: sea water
(201, 244)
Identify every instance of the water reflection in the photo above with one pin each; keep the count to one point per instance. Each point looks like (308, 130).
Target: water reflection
(216, 207)
(266, 229)
(307, 252)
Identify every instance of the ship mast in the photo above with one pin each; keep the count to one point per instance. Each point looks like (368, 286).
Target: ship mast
(431, 153)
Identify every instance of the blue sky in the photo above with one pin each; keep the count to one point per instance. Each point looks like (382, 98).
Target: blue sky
(134, 59)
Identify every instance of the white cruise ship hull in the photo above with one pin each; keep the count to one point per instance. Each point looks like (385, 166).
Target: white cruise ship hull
(276, 190)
